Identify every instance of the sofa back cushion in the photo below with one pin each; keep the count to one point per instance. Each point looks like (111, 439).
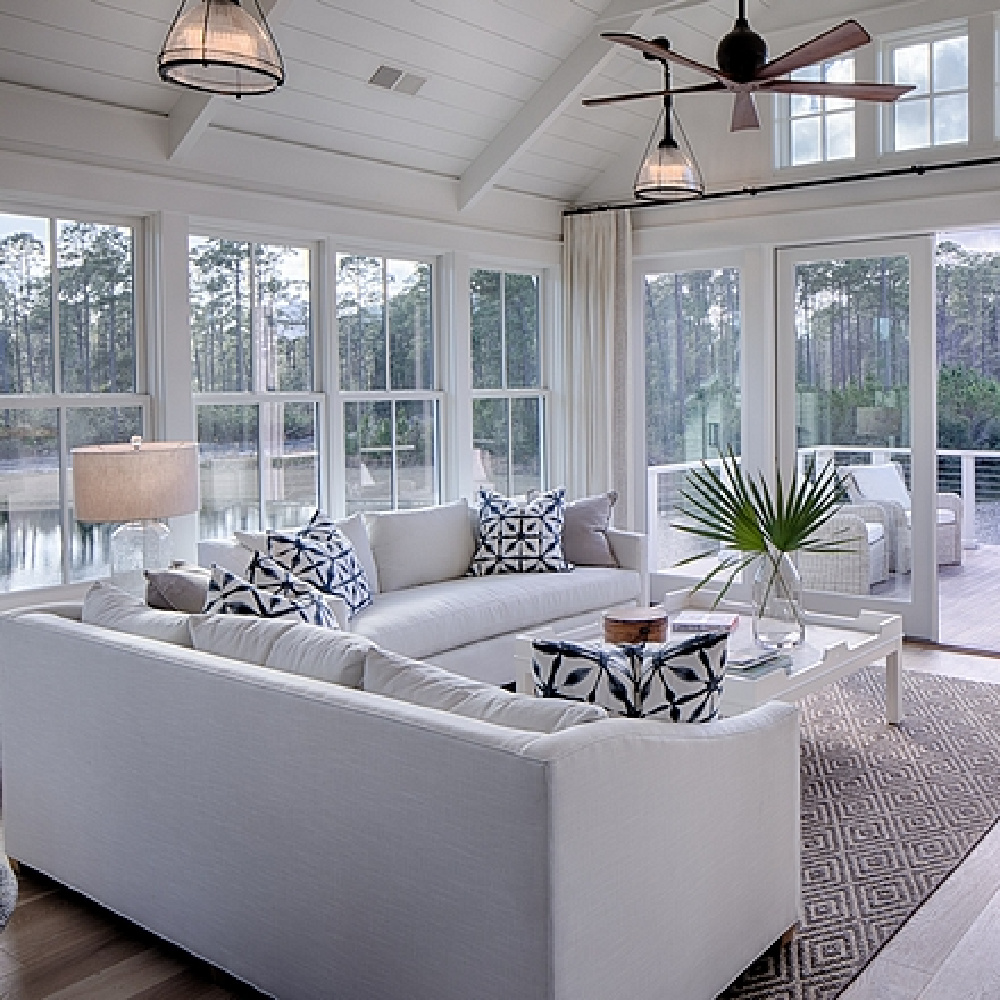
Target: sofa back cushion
(428, 545)
(111, 607)
(240, 637)
(419, 683)
(334, 657)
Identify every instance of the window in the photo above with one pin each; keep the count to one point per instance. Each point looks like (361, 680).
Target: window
(936, 112)
(508, 406)
(387, 377)
(816, 129)
(691, 324)
(253, 376)
(68, 372)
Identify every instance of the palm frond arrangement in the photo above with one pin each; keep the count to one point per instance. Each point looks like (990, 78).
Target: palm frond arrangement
(740, 513)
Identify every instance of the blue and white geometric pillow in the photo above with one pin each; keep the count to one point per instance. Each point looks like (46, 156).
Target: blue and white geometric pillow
(331, 567)
(265, 573)
(229, 594)
(594, 672)
(321, 528)
(520, 538)
(676, 682)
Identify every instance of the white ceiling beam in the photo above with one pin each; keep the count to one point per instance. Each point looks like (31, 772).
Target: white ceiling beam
(551, 99)
(190, 117)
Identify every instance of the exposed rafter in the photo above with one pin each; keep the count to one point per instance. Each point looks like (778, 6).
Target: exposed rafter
(192, 114)
(552, 98)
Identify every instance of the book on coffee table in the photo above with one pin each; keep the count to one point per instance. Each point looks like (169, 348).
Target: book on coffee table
(749, 658)
(704, 621)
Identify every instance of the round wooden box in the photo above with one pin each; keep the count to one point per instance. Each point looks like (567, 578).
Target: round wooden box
(636, 624)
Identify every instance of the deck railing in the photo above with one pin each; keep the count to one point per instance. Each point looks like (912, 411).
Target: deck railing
(973, 474)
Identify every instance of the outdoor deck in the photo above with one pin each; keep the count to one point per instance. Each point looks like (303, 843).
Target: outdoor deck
(970, 599)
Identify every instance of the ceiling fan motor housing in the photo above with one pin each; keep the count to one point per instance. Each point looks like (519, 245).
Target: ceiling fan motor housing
(741, 53)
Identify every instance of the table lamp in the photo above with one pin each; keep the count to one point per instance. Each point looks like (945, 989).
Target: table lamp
(136, 486)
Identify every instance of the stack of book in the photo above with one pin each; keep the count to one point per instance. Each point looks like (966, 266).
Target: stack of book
(704, 621)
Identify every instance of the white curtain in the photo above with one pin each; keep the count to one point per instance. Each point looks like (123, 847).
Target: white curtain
(592, 366)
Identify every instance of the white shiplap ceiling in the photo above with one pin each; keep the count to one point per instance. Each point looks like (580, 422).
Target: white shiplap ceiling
(504, 77)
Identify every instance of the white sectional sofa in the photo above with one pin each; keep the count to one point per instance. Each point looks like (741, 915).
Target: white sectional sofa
(426, 607)
(320, 841)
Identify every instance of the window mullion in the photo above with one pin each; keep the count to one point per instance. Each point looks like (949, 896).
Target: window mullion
(54, 307)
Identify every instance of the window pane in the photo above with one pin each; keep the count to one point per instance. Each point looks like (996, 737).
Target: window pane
(230, 487)
(525, 445)
(951, 64)
(913, 124)
(691, 324)
(288, 436)
(839, 70)
(806, 141)
(89, 552)
(521, 292)
(840, 136)
(951, 119)
(490, 444)
(219, 280)
(411, 346)
(25, 306)
(911, 65)
(284, 330)
(360, 322)
(96, 308)
(368, 456)
(804, 104)
(30, 531)
(487, 329)
(416, 426)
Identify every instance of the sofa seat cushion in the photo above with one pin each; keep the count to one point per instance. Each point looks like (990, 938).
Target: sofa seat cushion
(875, 532)
(435, 617)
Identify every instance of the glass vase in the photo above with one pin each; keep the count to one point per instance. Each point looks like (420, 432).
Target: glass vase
(778, 619)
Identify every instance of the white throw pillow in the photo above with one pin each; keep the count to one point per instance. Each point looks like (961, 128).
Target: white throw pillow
(419, 683)
(426, 545)
(241, 637)
(111, 607)
(335, 657)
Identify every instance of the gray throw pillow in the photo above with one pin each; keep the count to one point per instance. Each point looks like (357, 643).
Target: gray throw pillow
(585, 531)
(183, 587)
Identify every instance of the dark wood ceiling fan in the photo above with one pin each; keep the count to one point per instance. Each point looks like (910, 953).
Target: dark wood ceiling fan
(743, 69)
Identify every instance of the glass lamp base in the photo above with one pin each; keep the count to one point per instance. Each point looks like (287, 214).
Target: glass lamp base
(136, 546)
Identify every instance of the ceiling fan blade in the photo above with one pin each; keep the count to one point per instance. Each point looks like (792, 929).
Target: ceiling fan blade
(883, 92)
(595, 102)
(843, 38)
(646, 46)
(744, 113)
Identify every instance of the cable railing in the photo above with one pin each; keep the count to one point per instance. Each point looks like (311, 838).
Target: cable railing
(973, 474)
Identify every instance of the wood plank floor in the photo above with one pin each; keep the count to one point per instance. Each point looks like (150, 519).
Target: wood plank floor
(59, 946)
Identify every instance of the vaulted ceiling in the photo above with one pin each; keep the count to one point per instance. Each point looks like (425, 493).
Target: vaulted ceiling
(500, 105)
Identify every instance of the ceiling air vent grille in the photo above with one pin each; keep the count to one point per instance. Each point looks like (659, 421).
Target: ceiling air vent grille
(390, 78)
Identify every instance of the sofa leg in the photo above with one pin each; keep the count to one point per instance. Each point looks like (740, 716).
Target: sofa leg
(15, 865)
(789, 936)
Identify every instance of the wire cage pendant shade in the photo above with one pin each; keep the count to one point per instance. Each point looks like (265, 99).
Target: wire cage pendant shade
(669, 170)
(221, 47)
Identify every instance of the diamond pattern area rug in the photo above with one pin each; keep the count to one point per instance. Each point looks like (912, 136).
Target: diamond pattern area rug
(887, 814)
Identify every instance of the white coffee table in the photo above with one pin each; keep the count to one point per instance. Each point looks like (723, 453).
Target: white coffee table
(834, 648)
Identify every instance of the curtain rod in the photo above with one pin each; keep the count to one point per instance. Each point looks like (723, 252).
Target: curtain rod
(752, 191)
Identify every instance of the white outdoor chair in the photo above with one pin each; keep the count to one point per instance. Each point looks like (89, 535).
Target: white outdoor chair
(861, 560)
(884, 485)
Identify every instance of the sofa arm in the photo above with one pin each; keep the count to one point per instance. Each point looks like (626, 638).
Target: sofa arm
(697, 833)
(951, 501)
(631, 551)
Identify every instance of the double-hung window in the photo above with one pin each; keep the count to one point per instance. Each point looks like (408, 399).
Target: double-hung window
(253, 369)
(385, 332)
(936, 111)
(816, 129)
(508, 402)
(69, 376)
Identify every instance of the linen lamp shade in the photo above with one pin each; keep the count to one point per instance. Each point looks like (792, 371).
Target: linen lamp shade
(141, 481)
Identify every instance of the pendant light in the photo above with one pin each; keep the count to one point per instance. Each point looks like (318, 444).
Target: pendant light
(669, 171)
(221, 47)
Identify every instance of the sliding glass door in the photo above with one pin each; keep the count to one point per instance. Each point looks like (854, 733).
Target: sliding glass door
(855, 387)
